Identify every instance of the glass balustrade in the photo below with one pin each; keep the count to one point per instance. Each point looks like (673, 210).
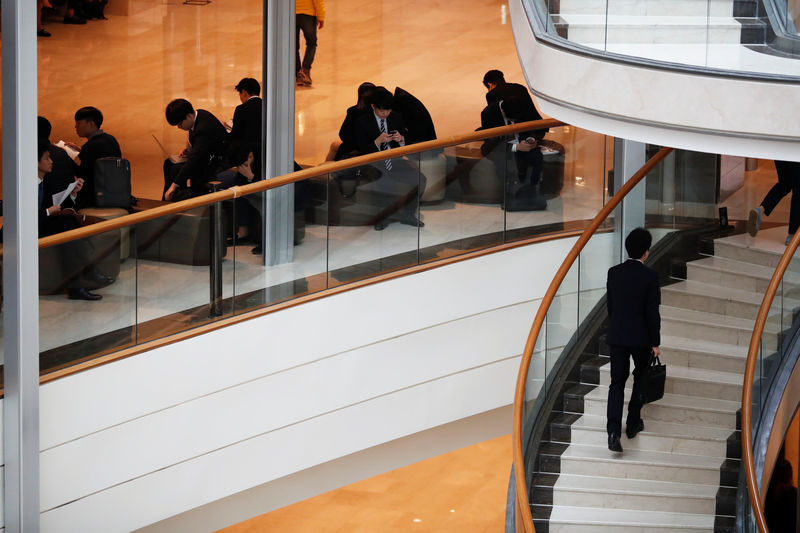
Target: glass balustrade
(759, 37)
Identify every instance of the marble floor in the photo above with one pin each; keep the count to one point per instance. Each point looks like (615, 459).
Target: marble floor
(464, 490)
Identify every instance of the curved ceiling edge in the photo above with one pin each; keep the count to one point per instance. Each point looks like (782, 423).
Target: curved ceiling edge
(692, 111)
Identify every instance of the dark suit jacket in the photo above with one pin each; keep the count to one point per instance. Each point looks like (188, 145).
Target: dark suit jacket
(368, 130)
(64, 169)
(633, 299)
(492, 117)
(207, 140)
(247, 122)
(97, 146)
(348, 132)
(415, 115)
(50, 225)
(508, 90)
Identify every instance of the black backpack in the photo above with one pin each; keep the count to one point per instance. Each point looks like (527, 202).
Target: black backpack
(112, 182)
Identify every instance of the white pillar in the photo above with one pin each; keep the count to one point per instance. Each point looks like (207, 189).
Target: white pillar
(20, 269)
(278, 134)
(629, 157)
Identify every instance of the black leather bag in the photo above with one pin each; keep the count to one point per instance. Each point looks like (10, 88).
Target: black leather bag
(112, 182)
(655, 377)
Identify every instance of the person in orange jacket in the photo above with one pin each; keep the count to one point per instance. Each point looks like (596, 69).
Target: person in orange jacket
(310, 15)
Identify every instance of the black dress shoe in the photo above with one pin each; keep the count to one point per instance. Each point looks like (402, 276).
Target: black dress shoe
(98, 279)
(411, 220)
(380, 226)
(83, 294)
(631, 431)
(614, 444)
(43, 33)
(257, 250)
(74, 20)
(236, 241)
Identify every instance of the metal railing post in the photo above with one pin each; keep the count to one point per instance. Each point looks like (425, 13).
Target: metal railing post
(215, 265)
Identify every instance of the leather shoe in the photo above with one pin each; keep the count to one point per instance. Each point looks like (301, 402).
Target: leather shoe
(98, 279)
(236, 241)
(411, 220)
(83, 294)
(257, 250)
(74, 20)
(614, 444)
(631, 431)
(380, 226)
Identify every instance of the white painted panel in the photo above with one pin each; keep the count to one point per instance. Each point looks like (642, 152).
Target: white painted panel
(161, 439)
(211, 476)
(656, 105)
(113, 394)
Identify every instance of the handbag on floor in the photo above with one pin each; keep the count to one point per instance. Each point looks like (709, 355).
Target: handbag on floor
(655, 377)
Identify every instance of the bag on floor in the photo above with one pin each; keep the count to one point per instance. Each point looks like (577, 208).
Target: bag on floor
(655, 377)
(112, 182)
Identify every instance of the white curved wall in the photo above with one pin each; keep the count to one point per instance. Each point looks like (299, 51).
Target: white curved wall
(705, 113)
(207, 420)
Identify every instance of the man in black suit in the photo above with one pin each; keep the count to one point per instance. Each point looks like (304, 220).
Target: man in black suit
(381, 129)
(98, 144)
(203, 155)
(524, 145)
(64, 168)
(246, 128)
(634, 330)
(499, 89)
(59, 218)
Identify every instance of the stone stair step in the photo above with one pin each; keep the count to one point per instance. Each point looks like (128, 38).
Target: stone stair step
(719, 299)
(715, 328)
(565, 519)
(697, 353)
(728, 272)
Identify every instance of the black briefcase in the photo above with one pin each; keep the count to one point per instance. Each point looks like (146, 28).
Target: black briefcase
(655, 378)
(112, 182)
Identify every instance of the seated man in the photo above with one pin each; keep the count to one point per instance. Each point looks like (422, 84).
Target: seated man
(98, 144)
(348, 132)
(64, 168)
(380, 129)
(499, 89)
(203, 154)
(56, 219)
(246, 128)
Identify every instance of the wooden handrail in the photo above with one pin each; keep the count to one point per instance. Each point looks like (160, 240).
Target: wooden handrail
(747, 388)
(523, 504)
(279, 181)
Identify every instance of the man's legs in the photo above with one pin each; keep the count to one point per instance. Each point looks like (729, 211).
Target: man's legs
(789, 173)
(641, 358)
(309, 26)
(779, 190)
(620, 369)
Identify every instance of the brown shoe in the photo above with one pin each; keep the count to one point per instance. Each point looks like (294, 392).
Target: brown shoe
(305, 76)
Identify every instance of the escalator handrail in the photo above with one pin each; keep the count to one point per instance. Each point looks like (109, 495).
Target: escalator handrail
(524, 516)
(293, 177)
(749, 375)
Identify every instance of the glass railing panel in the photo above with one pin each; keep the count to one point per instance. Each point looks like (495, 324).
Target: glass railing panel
(376, 228)
(461, 203)
(572, 166)
(562, 317)
(87, 302)
(599, 254)
(298, 214)
(182, 279)
(534, 384)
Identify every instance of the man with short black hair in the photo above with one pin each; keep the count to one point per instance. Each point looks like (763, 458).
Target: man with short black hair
(380, 129)
(247, 116)
(203, 153)
(499, 89)
(634, 330)
(98, 144)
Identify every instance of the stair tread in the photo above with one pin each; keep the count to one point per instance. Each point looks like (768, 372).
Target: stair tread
(643, 457)
(712, 290)
(660, 428)
(706, 318)
(628, 486)
(682, 401)
(692, 373)
(701, 345)
(591, 515)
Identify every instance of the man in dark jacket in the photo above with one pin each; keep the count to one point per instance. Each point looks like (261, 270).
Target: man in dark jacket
(98, 144)
(634, 330)
(202, 157)
(499, 89)
(64, 168)
(246, 128)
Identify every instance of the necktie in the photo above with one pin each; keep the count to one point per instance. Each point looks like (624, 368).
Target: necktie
(385, 146)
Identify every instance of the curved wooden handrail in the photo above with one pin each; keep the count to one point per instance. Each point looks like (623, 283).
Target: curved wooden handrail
(523, 505)
(747, 388)
(279, 181)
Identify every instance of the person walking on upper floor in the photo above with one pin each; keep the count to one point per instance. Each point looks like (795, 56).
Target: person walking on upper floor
(634, 330)
(788, 182)
(310, 16)
(98, 144)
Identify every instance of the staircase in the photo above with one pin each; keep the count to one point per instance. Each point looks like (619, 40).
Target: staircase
(679, 474)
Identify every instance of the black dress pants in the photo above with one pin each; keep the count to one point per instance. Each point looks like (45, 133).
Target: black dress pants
(75, 255)
(788, 182)
(308, 25)
(620, 369)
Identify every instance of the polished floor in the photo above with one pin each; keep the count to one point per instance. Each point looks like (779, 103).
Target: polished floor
(461, 491)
